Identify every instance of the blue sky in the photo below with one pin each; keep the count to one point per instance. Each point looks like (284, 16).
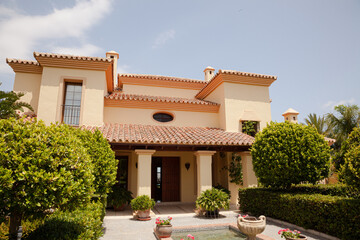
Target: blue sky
(313, 46)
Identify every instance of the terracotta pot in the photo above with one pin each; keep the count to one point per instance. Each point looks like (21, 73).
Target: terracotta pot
(163, 231)
(302, 237)
(144, 214)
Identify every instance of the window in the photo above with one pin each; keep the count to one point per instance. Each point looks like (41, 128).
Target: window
(122, 171)
(250, 127)
(72, 103)
(163, 117)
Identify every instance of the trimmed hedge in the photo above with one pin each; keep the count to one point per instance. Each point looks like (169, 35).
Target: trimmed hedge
(83, 223)
(335, 215)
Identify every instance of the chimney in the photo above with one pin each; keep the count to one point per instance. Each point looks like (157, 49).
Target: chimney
(115, 56)
(291, 115)
(209, 73)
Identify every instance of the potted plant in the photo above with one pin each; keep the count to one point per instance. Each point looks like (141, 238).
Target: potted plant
(290, 235)
(119, 197)
(163, 227)
(142, 205)
(211, 201)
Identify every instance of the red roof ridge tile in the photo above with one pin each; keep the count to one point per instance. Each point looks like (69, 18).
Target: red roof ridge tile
(138, 97)
(160, 77)
(246, 74)
(22, 61)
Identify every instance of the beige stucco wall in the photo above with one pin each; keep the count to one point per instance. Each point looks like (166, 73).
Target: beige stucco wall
(144, 116)
(159, 91)
(52, 94)
(29, 84)
(237, 98)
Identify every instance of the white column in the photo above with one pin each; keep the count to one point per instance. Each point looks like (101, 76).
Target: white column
(249, 177)
(144, 171)
(204, 178)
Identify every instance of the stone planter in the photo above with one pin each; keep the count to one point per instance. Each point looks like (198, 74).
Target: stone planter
(163, 231)
(251, 226)
(143, 214)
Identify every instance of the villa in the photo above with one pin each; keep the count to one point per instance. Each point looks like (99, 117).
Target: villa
(174, 137)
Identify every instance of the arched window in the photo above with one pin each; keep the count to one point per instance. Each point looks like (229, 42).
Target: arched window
(163, 117)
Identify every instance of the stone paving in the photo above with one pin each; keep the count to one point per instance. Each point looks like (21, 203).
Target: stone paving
(121, 225)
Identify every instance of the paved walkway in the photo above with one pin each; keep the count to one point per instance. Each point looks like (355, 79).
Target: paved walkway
(121, 225)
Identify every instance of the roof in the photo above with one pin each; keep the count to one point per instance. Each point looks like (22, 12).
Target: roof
(74, 57)
(120, 99)
(150, 134)
(330, 141)
(147, 98)
(159, 77)
(231, 76)
(290, 111)
(26, 66)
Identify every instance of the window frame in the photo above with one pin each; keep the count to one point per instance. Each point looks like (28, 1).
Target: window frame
(76, 83)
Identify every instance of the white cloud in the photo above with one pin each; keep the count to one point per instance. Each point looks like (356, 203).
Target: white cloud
(163, 37)
(20, 34)
(331, 104)
(86, 49)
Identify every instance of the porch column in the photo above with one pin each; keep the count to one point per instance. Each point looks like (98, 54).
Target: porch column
(204, 178)
(249, 177)
(144, 171)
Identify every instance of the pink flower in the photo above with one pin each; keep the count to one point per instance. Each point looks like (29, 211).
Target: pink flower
(191, 236)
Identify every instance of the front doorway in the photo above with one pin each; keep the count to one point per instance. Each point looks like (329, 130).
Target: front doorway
(165, 179)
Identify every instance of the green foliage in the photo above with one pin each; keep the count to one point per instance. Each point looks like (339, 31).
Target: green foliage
(212, 199)
(288, 153)
(83, 223)
(249, 128)
(334, 215)
(102, 158)
(235, 169)
(350, 171)
(142, 203)
(9, 104)
(320, 123)
(119, 196)
(224, 189)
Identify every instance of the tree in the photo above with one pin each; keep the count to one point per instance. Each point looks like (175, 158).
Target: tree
(350, 170)
(41, 168)
(321, 125)
(9, 104)
(344, 120)
(288, 153)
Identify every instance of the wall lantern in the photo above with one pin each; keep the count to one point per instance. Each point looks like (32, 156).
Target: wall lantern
(187, 165)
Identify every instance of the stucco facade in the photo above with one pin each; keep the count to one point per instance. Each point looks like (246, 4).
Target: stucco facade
(174, 136)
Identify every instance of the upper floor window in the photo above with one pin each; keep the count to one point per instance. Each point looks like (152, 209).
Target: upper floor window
(72, 103)
(163, 117)
(250, 127)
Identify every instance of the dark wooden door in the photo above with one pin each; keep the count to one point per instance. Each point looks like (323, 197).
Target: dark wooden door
(170, 179)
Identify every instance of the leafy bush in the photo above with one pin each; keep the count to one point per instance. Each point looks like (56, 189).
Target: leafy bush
(142, 203)
(334, 215)
(288, 153)
(41, 168)
(83, 223)
(350, 171)
(102, 158)
(119, 196)
(212, 199)
(224, 189)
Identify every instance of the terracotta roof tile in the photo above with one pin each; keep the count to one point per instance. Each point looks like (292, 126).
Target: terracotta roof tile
(65, 56)
(246, 74)
(149, 134)
(147, 98)
(158, 77)
(30, 62)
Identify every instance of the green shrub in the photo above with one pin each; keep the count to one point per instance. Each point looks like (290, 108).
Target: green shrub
(350, 170)
(41, 167)
(334, 215)
(212, 199)
(119, 196)
(288, 153)
(102, 158)
(83, 223)
(142, 203)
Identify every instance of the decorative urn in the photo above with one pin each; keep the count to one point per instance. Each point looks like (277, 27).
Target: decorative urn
(251, 226)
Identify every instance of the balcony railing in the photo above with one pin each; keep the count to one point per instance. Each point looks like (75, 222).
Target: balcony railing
(71, 115)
